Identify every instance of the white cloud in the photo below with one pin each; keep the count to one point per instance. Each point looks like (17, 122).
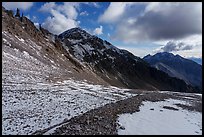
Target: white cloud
(58, 23)
(172, 46)
(191, 47)
(63, 16)
(114, 11)
(69, 9)
(84, 13)
(15, 5)
(98, 31)
(47, 7)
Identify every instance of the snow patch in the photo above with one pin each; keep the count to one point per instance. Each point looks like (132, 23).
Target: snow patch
(22, 40)
(161, 121)
(26, 54)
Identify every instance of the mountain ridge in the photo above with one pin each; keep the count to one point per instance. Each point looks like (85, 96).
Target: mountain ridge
(177, 66)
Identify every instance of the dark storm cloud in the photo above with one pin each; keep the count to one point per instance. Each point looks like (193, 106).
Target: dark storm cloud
(162, 22)
(177, 23)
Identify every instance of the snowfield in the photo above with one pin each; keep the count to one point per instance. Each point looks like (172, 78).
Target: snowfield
(153, 119)
(30, 107)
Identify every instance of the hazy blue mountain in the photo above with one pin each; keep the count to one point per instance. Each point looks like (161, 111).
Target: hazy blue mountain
(177, 66)
(197, 60)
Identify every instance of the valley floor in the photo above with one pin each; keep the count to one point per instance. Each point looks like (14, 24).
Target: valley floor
(161, 118)
(76, 107)
(162, 113)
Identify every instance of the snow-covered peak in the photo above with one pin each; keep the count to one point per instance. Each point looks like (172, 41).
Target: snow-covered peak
(78, 35)
(76, 29)
(75, 33)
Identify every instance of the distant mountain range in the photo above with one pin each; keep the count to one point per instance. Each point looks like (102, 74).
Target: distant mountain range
(197, 60)
(177, 66)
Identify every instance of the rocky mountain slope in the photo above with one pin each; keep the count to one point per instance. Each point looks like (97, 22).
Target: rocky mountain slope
(177, 66)
(38, 53)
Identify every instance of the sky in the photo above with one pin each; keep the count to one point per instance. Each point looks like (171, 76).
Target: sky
(140, 27)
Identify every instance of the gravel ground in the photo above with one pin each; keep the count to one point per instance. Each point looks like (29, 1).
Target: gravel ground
(102, 121)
